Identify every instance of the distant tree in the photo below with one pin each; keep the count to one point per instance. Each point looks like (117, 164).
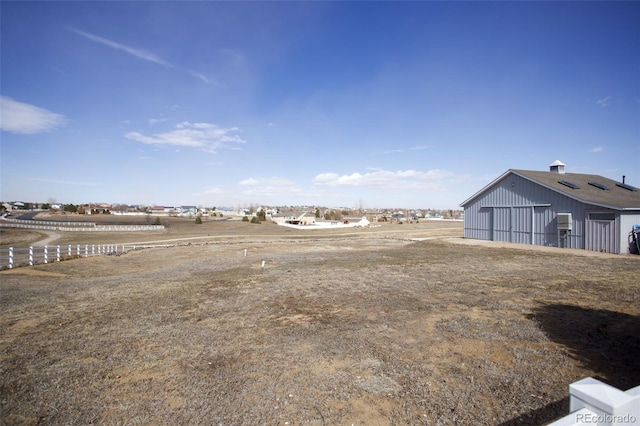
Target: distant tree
(157, 221)
(261, 215)
(71, 208)
(333, 215)
(199, 220)
(245, 219)
(45, 206)
(255, 219)
(317, 213)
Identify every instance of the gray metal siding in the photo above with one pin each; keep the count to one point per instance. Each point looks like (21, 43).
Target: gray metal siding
(504, 213)
(521, 225)
(603, 235)
(513, 207)
(543, 234)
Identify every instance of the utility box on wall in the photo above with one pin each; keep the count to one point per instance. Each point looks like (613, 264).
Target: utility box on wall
(564, 221)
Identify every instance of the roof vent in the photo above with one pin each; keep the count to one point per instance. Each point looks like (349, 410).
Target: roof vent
(599, 185)
(625, 186)
(557, 167)
(569, 184)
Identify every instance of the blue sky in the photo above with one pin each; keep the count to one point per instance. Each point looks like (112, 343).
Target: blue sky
(375, 104)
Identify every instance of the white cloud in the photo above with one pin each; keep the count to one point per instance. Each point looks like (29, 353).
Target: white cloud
(200, 76)
(272, 181)
(604, 101)
(153, 121)
(249, 182)
(596, 149)
(325, 178)
(138, 53)
(212, 190)
(208, 137)
(401, 150)
(19, 117)
(141, 54)
(206, 79)
(383, 179)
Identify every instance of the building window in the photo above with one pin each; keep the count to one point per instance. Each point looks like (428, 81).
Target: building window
(602, 216)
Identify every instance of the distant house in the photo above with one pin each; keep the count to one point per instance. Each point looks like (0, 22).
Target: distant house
(91, 208)
(188, 210)
(554, 208)
(294, 218)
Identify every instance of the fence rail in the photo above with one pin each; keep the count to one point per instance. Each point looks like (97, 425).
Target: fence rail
(22, 256)
(76, 228)
(50, 222)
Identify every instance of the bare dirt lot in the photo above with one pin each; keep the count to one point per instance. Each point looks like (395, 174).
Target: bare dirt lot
(347, 327)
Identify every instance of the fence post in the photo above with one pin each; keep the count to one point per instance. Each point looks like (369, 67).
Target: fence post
(86, 250)
(93, 250)
(78, 250)
(30, 255)
(10, 257)
(69, 251)
(58, 253)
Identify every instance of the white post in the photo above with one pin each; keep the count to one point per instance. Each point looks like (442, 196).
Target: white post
(263, 263)
(86, 250)
(30, 255)
(46, 254)
(10, 257)
(245, 252)
(69, 250)
(58, 253)
(93, 250)
(78, 250)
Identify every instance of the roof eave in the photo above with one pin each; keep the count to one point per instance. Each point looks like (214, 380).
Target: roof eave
(493, 182)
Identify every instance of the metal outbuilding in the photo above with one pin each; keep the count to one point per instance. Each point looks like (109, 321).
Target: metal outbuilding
(554, 208)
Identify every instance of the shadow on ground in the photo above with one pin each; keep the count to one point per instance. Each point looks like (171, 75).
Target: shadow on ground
(603, 341)
(543, 415)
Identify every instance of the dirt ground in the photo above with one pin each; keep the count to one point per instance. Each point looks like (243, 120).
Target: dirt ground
(363, 327)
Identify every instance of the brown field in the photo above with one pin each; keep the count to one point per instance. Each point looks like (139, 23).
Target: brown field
(358, 326)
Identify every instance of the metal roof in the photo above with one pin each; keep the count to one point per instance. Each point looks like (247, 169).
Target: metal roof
(615, 197)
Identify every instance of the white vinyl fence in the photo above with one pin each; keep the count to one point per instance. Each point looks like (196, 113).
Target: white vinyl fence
(49, 225)
(12, 257)
(593, 402)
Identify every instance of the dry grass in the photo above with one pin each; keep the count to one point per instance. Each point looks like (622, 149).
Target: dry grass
(344, 328)
(10, 237)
